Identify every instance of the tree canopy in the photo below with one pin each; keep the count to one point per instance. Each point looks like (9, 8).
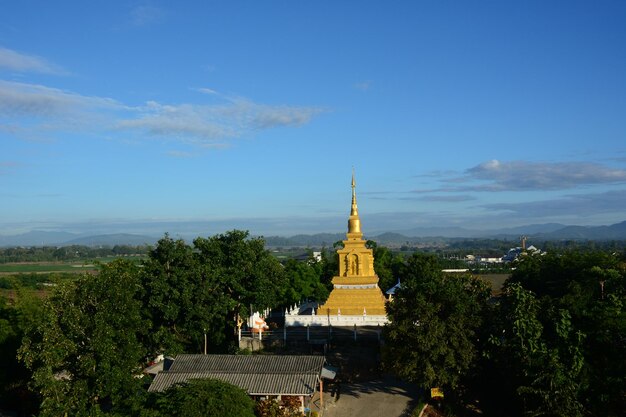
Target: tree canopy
(552, 344)
(203, 289)
(86, 351)
(434, 320)
(580, 298)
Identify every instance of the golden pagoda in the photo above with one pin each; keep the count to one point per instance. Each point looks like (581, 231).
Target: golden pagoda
(355, 290)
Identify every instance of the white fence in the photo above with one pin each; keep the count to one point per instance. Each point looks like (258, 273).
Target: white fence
(335, 320)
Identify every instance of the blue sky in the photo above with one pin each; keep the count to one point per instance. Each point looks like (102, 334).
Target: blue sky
(199, 117)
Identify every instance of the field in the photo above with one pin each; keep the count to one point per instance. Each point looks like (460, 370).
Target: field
(40, 277)
(495, 280)
(45, 267)
(65, 267)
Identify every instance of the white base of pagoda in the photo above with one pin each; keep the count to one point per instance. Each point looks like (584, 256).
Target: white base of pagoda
(335, 320)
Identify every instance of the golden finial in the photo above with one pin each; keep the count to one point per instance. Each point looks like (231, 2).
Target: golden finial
(354, 210)
(354, 223)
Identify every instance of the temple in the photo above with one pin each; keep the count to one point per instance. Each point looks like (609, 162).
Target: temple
(355, 290)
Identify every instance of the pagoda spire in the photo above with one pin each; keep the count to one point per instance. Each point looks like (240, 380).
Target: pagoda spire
(354, 211)
(354, 222)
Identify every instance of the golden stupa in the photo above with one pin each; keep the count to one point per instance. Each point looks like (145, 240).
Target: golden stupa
(355, 290)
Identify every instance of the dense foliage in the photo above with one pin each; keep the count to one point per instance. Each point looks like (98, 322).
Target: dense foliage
(304, 282)
(86, 350)
(553, 344)
(83, 347)
(434, 322)
(581, 302)
(16, 318)
(203, 289)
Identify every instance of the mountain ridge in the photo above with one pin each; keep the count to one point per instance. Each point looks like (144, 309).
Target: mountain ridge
(547, 231)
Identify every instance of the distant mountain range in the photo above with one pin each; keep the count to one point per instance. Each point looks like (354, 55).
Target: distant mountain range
(548, 231)
(44, 238)
(433, 235)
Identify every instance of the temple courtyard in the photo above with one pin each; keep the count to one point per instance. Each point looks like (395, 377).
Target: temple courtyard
(386, 396)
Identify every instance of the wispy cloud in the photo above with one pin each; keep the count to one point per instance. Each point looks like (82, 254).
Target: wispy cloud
(145, 15)
(497, 176)
(363, 85)
(447, 198)
(186, 123)
(33, 100)
(7, 166)
(580, 205)
(210, 124)
(19, 62)
(31, 108)
(520, 175)
(209, 91)
(394, 196)
(181, 154)
(33, 112)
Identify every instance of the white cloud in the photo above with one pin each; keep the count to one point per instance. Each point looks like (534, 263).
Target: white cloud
(522, 175)
(209, 91)
(264, 116)
(31, 108)
(208, 124)
(578, 205)
(32, 100)
(498, 176)
(18, 62)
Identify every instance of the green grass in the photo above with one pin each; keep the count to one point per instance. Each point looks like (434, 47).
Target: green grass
(70, 267)
(34, 281)
(43, 267)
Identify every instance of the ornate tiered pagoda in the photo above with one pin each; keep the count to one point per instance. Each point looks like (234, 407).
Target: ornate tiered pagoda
(355, 290)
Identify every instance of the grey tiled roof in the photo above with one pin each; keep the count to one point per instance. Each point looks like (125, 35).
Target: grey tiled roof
(256, 374)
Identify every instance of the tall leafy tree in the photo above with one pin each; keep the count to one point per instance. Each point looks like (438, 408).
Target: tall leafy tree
(201, 290)
(534, 359)
(388, 266)
(86, 350)
(183, 299)
(591, 287)
(16, 318)
(248, 274)
(328, 266)
(303, 282)
(434, 320)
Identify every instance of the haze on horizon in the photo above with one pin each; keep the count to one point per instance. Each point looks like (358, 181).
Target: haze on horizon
(119, 116)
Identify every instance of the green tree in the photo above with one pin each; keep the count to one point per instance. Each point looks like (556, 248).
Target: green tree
(249, 274)
(591, 287)
(388, 267)
(303, 282)
(183, 299)
(534, 359)
(434, 321)
(203, 397)
(204, 289)
(86, 350)
(16, 319)
(329, 266)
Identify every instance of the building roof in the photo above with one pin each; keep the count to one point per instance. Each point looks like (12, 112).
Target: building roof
(392, 290)
(256, 374)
